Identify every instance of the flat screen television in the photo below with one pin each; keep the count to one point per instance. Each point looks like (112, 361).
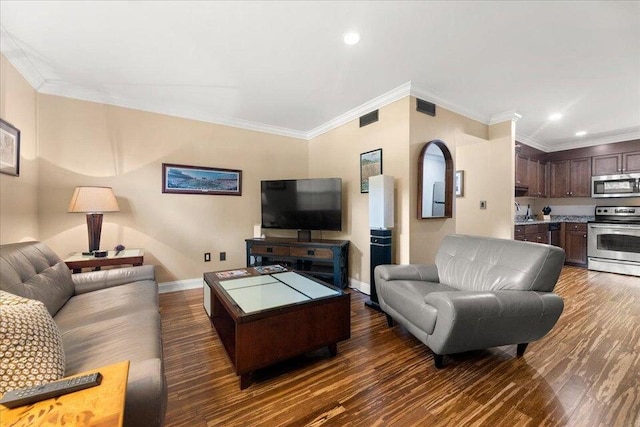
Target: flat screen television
(302, 204)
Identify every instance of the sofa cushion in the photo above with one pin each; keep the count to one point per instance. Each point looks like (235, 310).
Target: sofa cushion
(30, 345)
(135, 337)
(409, 294)
(487, 264)
(34, 271)
(108, 303)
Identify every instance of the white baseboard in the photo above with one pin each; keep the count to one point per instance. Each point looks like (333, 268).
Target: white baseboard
(180, 285)
(363, 287)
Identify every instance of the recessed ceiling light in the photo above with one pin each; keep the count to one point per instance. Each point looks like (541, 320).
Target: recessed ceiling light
(581, 133)
(555, 116)
(351, 38)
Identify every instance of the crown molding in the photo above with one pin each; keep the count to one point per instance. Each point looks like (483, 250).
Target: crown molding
(595, 141)
(510, 115)
(532, 142)
(428, 95)
(166, 109)
(376, 103)
(16, 56)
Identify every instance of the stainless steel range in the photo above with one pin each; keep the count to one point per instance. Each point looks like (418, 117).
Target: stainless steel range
(613, 243)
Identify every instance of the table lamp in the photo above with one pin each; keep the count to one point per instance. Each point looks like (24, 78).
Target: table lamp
(93, 201)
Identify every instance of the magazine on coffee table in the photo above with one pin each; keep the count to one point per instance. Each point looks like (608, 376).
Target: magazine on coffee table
(270, 269)
(232, 273)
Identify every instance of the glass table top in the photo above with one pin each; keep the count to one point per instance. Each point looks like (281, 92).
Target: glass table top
(258, 293)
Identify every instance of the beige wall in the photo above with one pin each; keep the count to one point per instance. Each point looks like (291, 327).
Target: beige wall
(489, 176)
(452, 128)
(19, 194)
(401, 133)
(337, 154)
(85, 143)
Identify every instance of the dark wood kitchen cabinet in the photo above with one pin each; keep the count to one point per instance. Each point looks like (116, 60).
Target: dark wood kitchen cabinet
(532, 178)
(613, 164)
(571, 178)
(631, 162)
(536, 233)
(522, 171)
(575, 243)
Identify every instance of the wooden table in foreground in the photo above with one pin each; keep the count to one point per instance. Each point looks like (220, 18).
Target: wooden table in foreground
(76, 261)
(99, 406)
(264, 319)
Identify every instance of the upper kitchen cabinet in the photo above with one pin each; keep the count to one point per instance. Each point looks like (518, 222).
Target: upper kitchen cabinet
(531, 172)
(537, 178)
(522, 172)
(543, 189)
(571, 178)
(613, 164)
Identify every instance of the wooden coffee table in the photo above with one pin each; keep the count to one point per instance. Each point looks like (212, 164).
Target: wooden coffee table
(263, 319)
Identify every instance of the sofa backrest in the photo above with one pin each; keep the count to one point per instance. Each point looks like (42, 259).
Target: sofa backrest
(32, 270)
(483, 263)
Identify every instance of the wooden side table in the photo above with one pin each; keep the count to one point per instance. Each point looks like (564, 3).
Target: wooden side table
(76, 261)
(101, 405)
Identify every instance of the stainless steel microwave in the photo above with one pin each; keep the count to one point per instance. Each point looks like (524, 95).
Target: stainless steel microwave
(626, 185)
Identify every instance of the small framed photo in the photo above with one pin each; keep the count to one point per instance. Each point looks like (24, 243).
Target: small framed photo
(459, 183)
(370, 165)
(9, 149)
(183, 179)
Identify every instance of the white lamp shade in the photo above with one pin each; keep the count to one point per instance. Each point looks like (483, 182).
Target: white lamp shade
(93, 200)
(381, 202)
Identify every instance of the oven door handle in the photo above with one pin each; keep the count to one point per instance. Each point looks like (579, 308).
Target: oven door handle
(614, 226)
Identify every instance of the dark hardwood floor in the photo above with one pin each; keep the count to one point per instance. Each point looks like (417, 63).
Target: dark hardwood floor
(586, 372)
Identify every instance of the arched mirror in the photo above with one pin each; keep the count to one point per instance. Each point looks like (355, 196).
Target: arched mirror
(435, 181)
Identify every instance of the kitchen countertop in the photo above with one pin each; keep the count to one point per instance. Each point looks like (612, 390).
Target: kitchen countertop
(555, 219)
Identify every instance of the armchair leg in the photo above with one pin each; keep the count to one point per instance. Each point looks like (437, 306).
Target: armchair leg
(521, 348)
(389, 320)
(439, 360)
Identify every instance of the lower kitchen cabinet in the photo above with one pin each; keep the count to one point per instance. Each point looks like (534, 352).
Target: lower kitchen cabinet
(575, 243)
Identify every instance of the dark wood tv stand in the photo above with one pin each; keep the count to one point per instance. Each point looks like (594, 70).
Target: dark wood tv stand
(324, 259)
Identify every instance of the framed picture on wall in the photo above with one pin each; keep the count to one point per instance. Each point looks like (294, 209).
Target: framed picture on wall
(370, 165)
(9, 149)
(183, 179)
(459, 183)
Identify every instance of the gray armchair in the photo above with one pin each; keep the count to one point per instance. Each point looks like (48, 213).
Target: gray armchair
(482, 292)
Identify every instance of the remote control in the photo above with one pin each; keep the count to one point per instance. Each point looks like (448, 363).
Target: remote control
(25, 396)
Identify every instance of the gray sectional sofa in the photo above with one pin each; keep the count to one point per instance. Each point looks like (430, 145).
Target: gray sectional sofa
(481, 292)
(104, 317)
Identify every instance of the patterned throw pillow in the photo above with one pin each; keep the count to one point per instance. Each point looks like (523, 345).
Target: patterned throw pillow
(31, 350)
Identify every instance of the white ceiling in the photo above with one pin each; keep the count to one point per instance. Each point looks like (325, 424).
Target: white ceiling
(282, 67)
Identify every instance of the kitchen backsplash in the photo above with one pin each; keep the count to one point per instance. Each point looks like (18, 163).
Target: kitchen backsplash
(556, 209)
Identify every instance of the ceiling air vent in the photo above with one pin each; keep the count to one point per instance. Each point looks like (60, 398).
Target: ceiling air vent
(369, 118)
(426, 107)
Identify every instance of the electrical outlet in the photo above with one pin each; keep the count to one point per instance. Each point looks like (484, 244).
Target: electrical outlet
(483, 204)
(207, 256)
(223, 256)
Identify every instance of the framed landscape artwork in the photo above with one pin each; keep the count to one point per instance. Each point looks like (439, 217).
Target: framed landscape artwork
(370, 165)
(182, 179)
(9, 149)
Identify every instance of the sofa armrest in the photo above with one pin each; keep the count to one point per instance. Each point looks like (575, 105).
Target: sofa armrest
(94, 280)
(471, 305)
(468, 320)
(424, 272)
